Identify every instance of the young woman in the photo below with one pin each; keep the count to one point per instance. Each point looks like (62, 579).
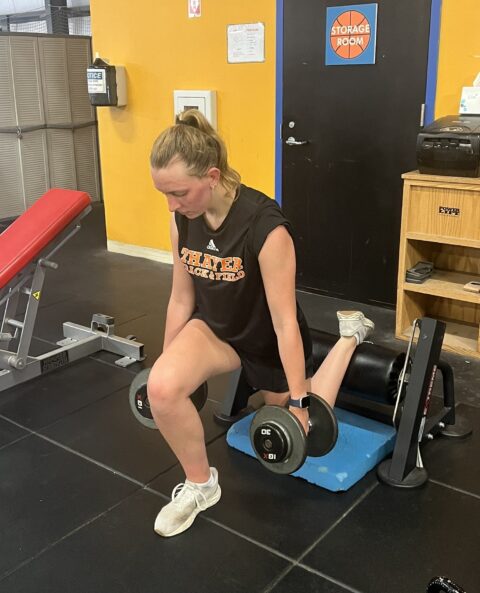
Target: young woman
(232, 304)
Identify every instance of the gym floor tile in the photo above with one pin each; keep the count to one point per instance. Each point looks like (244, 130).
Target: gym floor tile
(302, 581)
(113, 276)
(9, 433)
(455, 462)
(50, 296)
(397, 540)
(284, 513)
(37, 347)
(46, 492)
(120, 552)
(99, 432)
(467, 378)
(124, 290)
(80, 311)
(44, 400)
(148, 330)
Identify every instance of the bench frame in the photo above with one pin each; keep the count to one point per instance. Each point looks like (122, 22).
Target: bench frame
(16, 366)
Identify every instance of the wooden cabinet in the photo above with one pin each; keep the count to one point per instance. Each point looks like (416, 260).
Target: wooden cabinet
(441, 224)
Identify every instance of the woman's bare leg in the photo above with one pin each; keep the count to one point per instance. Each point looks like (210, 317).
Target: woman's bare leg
(327, 380)
(194, 355)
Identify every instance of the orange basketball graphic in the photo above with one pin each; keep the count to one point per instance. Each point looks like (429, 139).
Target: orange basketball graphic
(350, 34)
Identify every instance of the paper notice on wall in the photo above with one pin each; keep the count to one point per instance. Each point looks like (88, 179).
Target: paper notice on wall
(470, 101)
(194, 8)
(246, 43)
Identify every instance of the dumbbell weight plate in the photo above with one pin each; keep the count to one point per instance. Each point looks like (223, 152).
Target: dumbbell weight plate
(324, 431)
(139, 400)
(278, 440)
(140, 405)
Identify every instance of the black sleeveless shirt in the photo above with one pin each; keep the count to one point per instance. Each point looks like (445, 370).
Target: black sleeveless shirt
(229, 293)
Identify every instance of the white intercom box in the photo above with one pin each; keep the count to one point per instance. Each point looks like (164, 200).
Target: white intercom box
(204, 101)
(107, 84)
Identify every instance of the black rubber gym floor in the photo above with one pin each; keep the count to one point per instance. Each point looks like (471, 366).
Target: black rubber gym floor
(81, 481)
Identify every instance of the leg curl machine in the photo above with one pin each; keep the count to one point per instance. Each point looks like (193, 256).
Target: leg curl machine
(26, 249)
(380, 383)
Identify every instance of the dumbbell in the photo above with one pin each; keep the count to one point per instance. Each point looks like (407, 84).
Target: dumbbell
(140, 405)
(280, 442)
(443, 585)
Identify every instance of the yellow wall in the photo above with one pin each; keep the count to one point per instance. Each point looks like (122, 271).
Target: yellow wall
(459, 58)
(162, 50)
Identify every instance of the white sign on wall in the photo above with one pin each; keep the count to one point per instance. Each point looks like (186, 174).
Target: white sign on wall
(96, 80)
(470, 101)
(246, 43)
(194, 8)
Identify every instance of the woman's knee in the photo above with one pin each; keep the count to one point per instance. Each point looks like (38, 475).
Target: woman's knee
(164, 389)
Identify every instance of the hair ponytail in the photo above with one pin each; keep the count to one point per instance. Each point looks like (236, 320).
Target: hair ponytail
(194, 141)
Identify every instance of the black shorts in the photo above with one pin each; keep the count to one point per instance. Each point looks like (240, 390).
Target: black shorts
(260, 375)
(269, 375)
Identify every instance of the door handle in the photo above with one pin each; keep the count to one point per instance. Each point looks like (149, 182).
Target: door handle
(292, 142)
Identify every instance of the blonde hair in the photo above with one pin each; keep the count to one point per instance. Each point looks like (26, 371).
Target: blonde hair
(194, 141)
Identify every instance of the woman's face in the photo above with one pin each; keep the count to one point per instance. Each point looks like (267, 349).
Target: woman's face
(186, 194)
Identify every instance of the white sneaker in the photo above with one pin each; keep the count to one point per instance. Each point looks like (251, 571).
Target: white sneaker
(354, 323)
(188, 499)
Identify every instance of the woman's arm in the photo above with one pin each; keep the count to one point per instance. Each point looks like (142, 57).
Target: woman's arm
(278, 266)
(182, 297)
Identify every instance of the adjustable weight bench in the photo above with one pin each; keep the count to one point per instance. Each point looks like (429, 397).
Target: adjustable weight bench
(26, 248)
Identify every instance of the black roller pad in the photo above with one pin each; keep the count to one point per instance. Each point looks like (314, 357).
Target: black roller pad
(373, 372)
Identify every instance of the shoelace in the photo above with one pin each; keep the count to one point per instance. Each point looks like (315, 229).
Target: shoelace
(198, 495)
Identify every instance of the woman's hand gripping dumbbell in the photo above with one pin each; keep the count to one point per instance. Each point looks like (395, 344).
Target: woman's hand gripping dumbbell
(279, 440)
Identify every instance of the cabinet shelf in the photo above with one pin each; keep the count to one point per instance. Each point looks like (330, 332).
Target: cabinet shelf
(448, 285)
(444, 239)
(441, 224)
(461, 338)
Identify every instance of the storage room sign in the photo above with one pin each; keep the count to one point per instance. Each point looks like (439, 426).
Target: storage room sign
(351, 35)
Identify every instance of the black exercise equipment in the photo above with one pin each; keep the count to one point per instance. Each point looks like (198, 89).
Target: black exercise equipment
(442, 584)
(374, 370)
(140, 405)
(386, 385)
(405, 469)
(279, 441)
(370, 385)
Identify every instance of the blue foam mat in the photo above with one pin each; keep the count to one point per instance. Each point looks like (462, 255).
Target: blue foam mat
(362, 443)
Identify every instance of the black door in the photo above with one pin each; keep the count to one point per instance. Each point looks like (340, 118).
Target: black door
(342, 190)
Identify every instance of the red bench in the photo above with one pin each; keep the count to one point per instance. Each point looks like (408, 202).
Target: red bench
(26, 238)
(26, 247)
